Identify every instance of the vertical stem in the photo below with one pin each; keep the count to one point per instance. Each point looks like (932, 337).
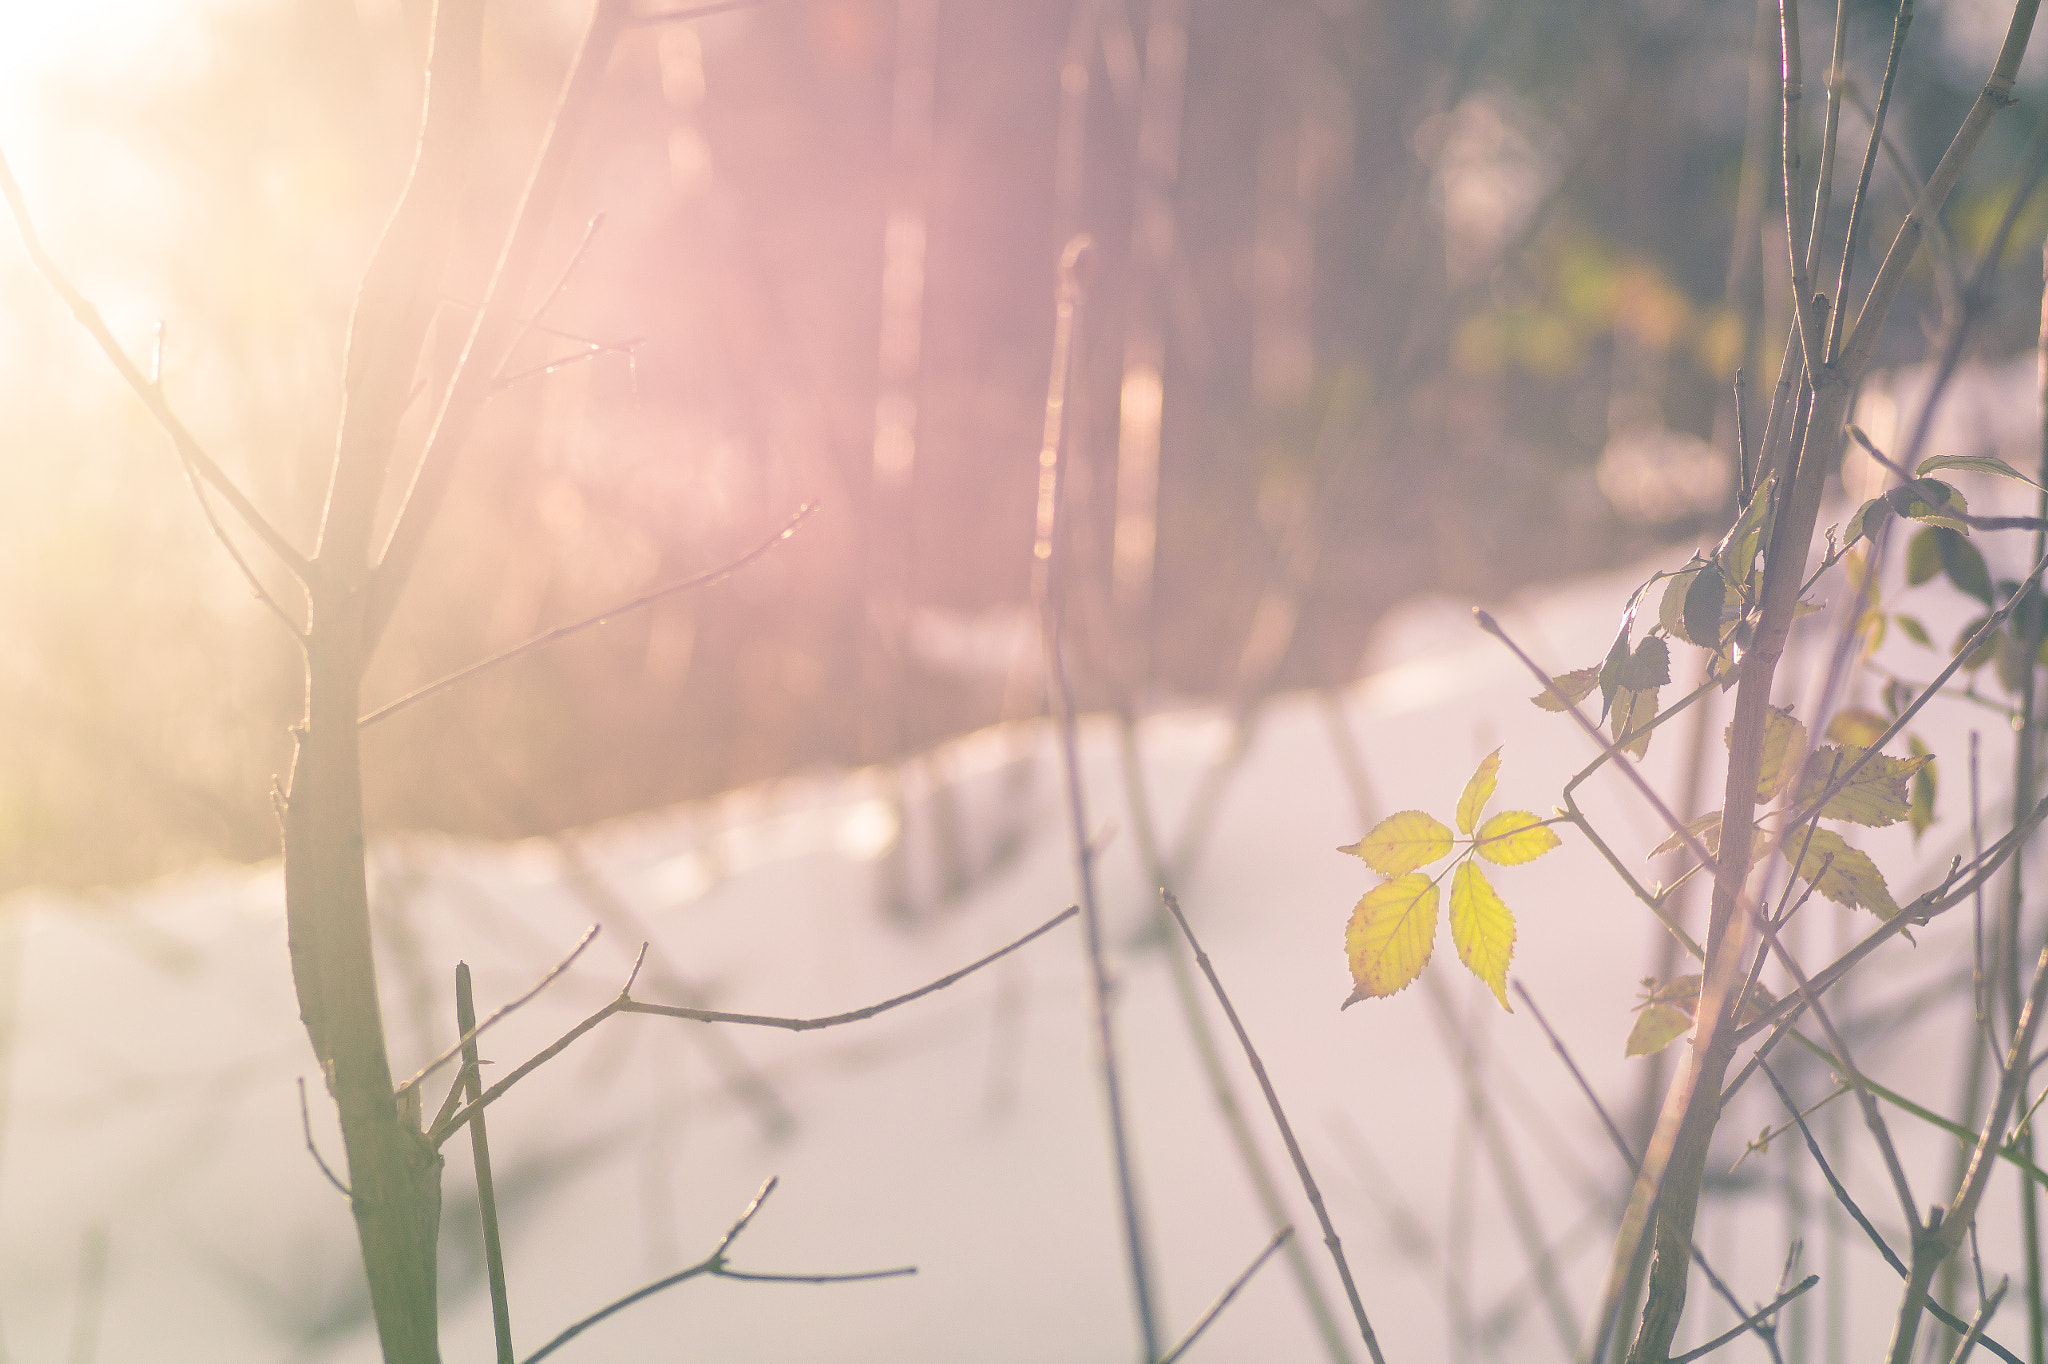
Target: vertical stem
(2025, 779)
(1049, 588)
(480, 1150)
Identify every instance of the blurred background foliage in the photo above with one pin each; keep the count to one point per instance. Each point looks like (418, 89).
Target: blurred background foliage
(1390, 297)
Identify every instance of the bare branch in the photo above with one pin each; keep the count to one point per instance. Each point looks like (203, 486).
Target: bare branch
(1891, 275)
(1216, 1308)
(1871, 1117)
(444, 1126)
(634, 1006)
(1858, 202)
(1754, 1319)
(496, 323)
(306, 1125)
(152, 396)
(1308, 1180)
(468, 1039)
(1985, 1310)
(713, 1266)
(705, 579)
(1848, 1203)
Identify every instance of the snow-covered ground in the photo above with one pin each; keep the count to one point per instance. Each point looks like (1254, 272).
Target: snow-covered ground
(152, 1108)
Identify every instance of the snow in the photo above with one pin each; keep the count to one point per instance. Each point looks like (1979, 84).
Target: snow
(156, 1049)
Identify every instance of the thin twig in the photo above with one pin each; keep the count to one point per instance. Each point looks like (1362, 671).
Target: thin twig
(463, 1043)
(1858, 202)
(634, 1006)
(152, 397)
(625, 1003)
(705, 579)
(1308, 1180)
(1848, 1203)
(1985, 1311)
(590, 231)
(256, 587)
(712, 1265)
(1649, 793)
(306, 1125)
(480, 1152)
(1048, 590)
(1754, 1319)
(1216, 1308)
(1187, 996)
(1871, 1117)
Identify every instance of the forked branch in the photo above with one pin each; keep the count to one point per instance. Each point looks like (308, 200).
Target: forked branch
(449, 1123)
(712, 1266)
(151, 394)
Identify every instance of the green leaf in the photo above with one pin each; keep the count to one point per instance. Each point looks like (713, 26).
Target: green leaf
(1974, 464)
(1671, 608)
(1963, 564)
(1402, 842)
(1855, 725)
(1483, 928)
(1390, 936)
(1575, 686)
(1914, 630)
(1696, 604)
(1707, 607)
(1478, 791)
(1866, 520)
(1838, 871)
(1874, 797)
(1513, 837)
(1657, 1027)
(1923, 556)
(1782, 735)
(1921, 812)
(1633, 712)
(1932, 501)
(1736, 554)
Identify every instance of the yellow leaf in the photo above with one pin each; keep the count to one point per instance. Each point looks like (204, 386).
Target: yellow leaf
(1390, 936)
(1483, 928)
(1657, 1027)
(1576, 686)
(1838, 871)
(1478, 791)
(1856, 726)
(1782, 734)
(1402, 842)
(1875, 796)
(1513, 837)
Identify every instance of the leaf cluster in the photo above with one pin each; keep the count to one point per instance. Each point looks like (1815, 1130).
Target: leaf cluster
(1393, 929)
